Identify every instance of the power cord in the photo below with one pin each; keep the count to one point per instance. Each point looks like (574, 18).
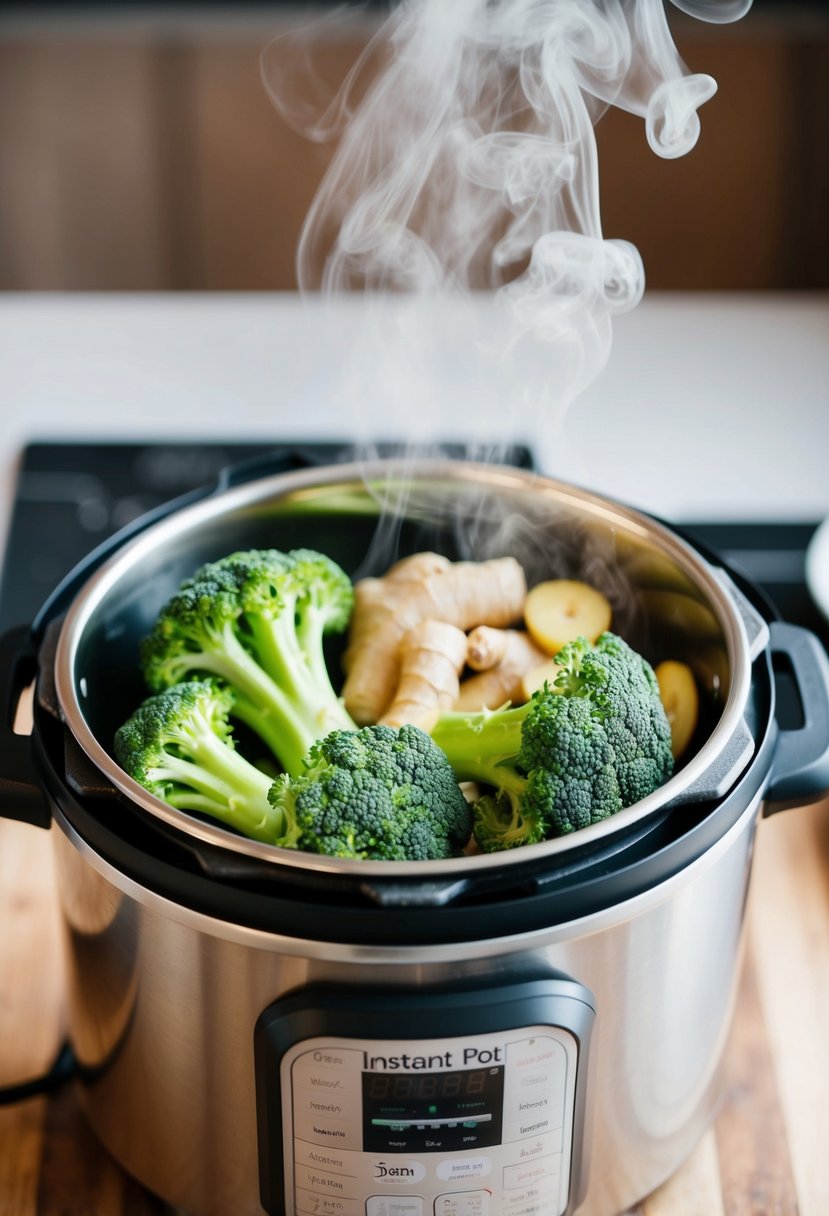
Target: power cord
(63, 1068)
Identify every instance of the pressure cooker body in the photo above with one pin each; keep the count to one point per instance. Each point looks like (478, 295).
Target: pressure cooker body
(229, 1068)
(527, 1033)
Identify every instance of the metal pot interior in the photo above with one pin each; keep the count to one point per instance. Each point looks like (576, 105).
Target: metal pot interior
(666, 600)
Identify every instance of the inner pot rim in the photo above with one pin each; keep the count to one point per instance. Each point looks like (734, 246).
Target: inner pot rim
(353, 478)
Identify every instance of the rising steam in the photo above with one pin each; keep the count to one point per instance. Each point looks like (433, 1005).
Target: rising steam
(468, 162)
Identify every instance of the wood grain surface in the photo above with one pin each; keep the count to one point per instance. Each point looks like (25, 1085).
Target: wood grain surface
(766, 1155)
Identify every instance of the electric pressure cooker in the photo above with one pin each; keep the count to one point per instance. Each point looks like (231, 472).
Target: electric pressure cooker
(528, 1033)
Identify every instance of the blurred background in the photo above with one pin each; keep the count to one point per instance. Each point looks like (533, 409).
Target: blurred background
(139, 151)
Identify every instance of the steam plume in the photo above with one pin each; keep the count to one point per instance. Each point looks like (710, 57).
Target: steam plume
(470, 163)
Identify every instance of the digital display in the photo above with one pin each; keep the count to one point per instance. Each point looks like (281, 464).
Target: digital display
(432, 1111)
(434, 1085)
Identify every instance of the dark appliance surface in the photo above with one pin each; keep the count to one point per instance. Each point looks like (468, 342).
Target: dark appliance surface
(71, 497)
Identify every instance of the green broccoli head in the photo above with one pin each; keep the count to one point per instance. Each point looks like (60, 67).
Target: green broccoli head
(576, 753)
(172, 725)
(179, 746)
(571, 765)
(322, 589)
(378, 793)
(621, 686)
(256, 620)
(191, 628)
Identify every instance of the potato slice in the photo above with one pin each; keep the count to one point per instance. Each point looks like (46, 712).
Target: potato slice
(562, 610)
(678, 690)
(531, 681)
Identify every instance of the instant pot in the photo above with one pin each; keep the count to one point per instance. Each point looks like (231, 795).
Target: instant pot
(528, 1033)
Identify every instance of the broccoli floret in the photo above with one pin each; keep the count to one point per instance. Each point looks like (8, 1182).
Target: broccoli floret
(551, 765)
(256, 620)
(178, 745)
(504, 822)
(623, 688)
(573, 755)
(378, 793)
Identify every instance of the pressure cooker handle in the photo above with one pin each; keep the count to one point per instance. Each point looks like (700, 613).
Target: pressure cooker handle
(800, 770)
(22, 797)
(21, 793)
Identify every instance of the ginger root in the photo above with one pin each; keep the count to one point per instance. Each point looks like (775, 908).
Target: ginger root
(485, 647)
(422, 587)
(501, 681)
(417, 565)
(432, 656)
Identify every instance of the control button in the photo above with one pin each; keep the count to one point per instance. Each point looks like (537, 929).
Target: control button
(533, 1172)
(536, 1071)
(552, 1127)
(394, 1205)
(535, 1096)
(323, 1107)
(540, 1053)
(324, 1183)
(331, 1132)
(326, 1083)
(463, 1167)
(464, 1203)
(328, 1074)
(534, 1104)
(311, 1203)
(336, 1058)
(538, 1146)
(320, 1157)
(535, 1201)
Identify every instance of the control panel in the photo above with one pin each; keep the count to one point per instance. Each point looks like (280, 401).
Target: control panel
(484, 1122)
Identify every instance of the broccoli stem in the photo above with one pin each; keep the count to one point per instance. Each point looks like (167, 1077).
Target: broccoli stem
(292, 657)
(274, 645)
(481, 746)
(228, 787)
(256, 620)
(262, 704)
(310, 631)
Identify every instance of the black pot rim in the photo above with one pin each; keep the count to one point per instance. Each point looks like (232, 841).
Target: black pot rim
(300, 904)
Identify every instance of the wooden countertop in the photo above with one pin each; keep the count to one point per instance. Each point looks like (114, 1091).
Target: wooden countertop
(766, 1155)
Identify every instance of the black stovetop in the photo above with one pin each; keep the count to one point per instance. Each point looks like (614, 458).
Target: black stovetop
(71, 497)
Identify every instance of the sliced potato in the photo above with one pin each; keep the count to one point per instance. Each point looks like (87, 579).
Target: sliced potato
(562, 610)
(531, 681)
(678, 690)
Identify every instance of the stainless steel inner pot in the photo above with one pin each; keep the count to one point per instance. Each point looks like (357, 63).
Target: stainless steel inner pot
(667, 601)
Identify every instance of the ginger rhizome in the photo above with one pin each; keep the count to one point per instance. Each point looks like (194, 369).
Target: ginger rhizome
(501, 658)
(432, 656)
(423, 587)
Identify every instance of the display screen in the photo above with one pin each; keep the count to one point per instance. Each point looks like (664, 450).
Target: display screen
(432, 1112)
